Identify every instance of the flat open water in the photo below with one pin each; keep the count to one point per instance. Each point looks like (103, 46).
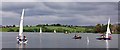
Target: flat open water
(58, 40)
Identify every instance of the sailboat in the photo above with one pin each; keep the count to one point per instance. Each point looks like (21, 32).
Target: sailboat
(66, 32)
(107, 36)
(76, 36)
(40, 30)
(54, 31)
(21, 38)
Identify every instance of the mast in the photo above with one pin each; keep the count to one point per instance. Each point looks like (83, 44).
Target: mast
(108, 29)
(21, 25)
(40, 30)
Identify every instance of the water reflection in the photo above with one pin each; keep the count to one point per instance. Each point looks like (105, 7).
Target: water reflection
(21, 45)
(88, 42)
(40, 36)
(107, 45)
(50, 40)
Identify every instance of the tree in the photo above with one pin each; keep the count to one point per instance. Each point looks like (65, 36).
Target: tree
(103, 28)
(26, 25)
(46, 25)
(98, 28)
(38, 25)
(118, 29)
(13, 25)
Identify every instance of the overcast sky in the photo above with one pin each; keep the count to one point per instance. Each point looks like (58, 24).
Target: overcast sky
(60, 0)
(74, 13)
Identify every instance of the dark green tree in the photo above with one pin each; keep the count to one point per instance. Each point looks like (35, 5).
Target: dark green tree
(98, 28)
(13, 25)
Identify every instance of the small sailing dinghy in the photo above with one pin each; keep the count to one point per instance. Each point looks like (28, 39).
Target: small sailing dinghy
(21, 38)
(77, 36)
(67, 32)
(54, 31)
(106, 36)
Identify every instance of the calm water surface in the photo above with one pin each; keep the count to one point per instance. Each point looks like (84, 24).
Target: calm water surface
(58, 40)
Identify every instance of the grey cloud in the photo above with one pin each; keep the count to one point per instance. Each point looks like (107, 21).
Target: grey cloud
(53, 8)
(76, 13)
(60, 0)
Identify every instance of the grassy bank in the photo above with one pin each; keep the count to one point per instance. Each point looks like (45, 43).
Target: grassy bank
(49, 29)
(99, 28)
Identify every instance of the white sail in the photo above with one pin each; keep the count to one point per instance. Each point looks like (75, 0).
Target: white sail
(40, 30)
(54, 31)
(108, 29)
(21, 26)
(66, 32)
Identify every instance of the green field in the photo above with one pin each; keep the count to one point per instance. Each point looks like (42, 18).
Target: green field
(99, 28)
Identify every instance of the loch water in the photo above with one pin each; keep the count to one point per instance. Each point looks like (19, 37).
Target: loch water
(58, 40)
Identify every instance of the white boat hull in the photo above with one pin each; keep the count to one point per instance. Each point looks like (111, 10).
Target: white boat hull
(21, 42)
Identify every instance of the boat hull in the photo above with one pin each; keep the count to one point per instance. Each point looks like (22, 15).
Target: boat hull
(103, 38)
(20, 42)
(77, 37)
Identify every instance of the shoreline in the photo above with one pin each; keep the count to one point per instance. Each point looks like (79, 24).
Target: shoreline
(50, 32)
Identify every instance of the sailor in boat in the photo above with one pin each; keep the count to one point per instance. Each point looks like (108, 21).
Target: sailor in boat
(77, 36)
(18, 38)
(103, 36)
(24, 39)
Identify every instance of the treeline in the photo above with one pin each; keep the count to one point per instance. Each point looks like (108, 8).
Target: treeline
(68, 28)
(99, 28)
